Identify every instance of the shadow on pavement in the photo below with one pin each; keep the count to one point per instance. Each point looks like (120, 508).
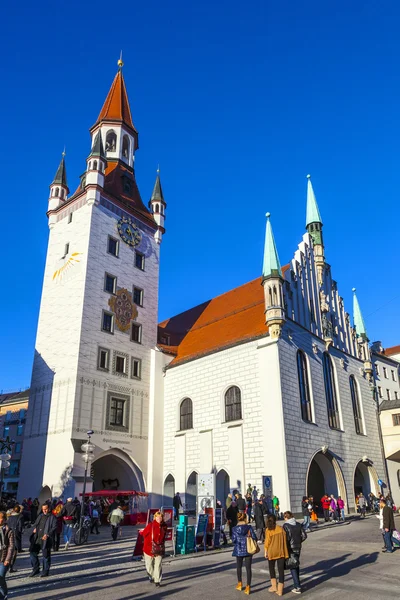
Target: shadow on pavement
(332, 569)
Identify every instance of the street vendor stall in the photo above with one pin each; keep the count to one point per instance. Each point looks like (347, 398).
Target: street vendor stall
(136, 503)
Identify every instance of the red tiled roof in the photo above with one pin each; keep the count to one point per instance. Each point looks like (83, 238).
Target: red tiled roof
(116, 106)
(392, 350)
(233, 317)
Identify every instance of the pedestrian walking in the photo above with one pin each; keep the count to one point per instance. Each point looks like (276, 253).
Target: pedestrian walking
(306, 513)
(362, 504)
(340, 505)
(388, 525)
(7, 553)
(16, 523)
(94, 525)
(223, 522)
(326, 507)
(232, 517)
(295, 536)
(60, 523)
(177, 504)
(41, 539)
(259, 512)
(240, 533)
(275, 505)
(241, 503)
(276, 551)
(69, 515)
(333, 509)
(249, 505)
(115, 519)
(154, 547)
(228, 501)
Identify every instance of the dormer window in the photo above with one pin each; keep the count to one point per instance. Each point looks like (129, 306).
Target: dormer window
(111, 141)
(127, 185)
(125, 147)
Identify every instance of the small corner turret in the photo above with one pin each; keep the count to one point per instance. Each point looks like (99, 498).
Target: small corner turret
(96, 162)
(314, 227)
(59, 187)
(157, 206)
(272, 281)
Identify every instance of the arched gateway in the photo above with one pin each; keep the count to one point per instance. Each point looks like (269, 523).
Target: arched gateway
(325, 476)
(115, 470)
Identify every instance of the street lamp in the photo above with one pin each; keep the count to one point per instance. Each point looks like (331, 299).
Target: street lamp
(375, 398)
(5, 448)
(87, 456)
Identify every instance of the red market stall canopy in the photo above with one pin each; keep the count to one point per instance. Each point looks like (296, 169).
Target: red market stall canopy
(115, 493)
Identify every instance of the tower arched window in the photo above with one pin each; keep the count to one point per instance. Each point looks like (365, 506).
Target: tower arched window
(186, 414)
(62, 193)
(355, 400)
(125, 146)
(95, 165)
(157, 208)
(233, 404)
(111, 141)
(331, 392)
(304, 386)
(56, 192)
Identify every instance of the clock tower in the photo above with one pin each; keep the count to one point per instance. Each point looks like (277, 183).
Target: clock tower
(98, 320)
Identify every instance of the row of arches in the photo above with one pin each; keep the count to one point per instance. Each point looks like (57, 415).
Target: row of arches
(56, 193)
(232, 408)
(331, 394)
(190, 492)
(111, 143)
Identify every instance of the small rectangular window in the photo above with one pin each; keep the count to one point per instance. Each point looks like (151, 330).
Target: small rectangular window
(396, 419)
(136, 333)
(380, 391)
(120, 364)
(136, 369)
(103, 359)
(110, 283)
(17, 447)
(20, 429)
(138, 296)
(139, 261)
(393, 375)
(377, 369)
(385, 372)
(112, 246)
(117, 412)
(6, 431)
(388, 394)
(107, 322)
(8, 415)
(66, 249)
(396, 395)
(70, 217)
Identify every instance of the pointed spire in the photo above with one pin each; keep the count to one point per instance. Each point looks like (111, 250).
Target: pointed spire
(358, 318)
(313, 215)
(61, 175)
(97, 148)
(271, 266)
(157, 190)
(116, 106)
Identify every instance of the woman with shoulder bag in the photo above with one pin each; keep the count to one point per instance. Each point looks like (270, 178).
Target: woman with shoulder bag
(275, 551)
(295, 536)
(154, 547)
(245, 546)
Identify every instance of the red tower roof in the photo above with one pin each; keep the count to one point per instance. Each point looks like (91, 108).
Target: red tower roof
(116, 106)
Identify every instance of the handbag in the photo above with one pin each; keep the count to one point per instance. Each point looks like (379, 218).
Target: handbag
(292, 562)
(251, 545)
(156, 548)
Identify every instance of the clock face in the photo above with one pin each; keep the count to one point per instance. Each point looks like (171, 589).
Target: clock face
(129, 232)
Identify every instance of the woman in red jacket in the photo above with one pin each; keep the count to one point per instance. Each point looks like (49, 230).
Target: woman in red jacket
(154, 547)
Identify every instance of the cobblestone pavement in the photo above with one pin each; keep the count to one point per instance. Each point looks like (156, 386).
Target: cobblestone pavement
(336, 560)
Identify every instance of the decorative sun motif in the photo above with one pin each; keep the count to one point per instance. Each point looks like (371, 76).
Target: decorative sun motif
(125, 311)
(71, 260)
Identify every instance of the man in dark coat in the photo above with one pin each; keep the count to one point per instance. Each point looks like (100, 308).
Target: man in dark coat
(44, 529)
(176, 503)
(231, 516)
(388, 525)
(16, 522)
(259, 512)
(241, 503)
(6, 553)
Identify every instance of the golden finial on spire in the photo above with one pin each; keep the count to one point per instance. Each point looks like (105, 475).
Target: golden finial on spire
(120, 62)
(63, 153)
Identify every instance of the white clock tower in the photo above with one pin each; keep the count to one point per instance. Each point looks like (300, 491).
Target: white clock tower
(98, 320)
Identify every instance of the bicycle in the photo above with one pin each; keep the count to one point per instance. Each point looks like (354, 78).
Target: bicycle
(81, 535)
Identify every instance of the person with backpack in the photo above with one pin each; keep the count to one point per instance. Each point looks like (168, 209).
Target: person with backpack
(295, 536)
(95, 519)
(240, 533)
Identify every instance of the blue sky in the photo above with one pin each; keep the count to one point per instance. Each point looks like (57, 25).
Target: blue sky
(237, 102)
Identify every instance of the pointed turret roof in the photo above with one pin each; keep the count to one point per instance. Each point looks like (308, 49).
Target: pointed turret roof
(61, 175)
(97, 148)
(157, 190)
(358, 320)
(313, 215)
(271, 266)
(116, 106)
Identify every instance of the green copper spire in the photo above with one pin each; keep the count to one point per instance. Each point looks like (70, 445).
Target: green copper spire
(313, 215)
(61, 175)
(271, 266)
(358, 318)
(97, 149)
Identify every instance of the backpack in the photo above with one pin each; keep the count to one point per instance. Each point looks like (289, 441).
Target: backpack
(95, 513)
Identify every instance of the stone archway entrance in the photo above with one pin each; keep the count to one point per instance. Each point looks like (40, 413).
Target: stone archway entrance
(325, 477)
(114, 470)
(169, 490)
(365, 479)
(191, 493)
(45, 494)
(222, 486)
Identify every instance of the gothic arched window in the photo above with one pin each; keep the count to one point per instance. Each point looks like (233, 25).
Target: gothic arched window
(186, 414)
(304, 386)
(233, 404)
(111, 141)
(95, 165)
(56, 192)
(125, 146)
(355, 400)
(62, 193)
(157, 208)
(331, 393)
